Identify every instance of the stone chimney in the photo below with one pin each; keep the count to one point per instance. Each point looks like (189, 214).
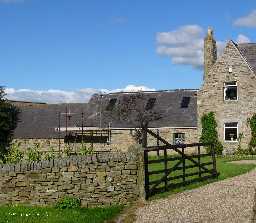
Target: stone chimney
(210, 52)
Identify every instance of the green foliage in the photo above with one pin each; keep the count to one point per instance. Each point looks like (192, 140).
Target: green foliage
(239, 150)
(50, 155)
(85, 150)
(8, 122)
(224, 167)
(67, 150)
(14, 155)
(252, 144)
(33, 214)
(209, 132)
(33, 153)
(68, 203)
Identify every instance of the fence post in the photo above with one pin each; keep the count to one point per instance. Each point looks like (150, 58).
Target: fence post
(144, 137)
(213, 161)
(199, 160)
(183, 166)
(157, 141)
(165, 169)
(146, 173)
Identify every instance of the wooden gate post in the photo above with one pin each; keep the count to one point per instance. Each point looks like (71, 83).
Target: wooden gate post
(213, 160)
(199, 160)
(146, 174)
(144, 137)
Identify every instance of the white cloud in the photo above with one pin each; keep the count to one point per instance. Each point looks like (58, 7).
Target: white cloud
(60, 96)
(185, 45)
(243, 39)
(133, 88)
(247, 21)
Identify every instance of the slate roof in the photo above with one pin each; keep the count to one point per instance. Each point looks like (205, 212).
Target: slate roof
(41, 122)
(248, 51)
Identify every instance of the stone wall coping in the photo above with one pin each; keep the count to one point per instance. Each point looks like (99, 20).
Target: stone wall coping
(79, 161)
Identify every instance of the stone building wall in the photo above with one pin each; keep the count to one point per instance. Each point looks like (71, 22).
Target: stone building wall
(211, 95)
(103, 179)
(121, 140)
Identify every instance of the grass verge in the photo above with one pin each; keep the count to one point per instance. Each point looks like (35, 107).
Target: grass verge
(24, 214)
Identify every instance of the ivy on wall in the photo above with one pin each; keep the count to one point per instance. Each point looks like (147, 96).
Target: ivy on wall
(252, 143)
(209, 132)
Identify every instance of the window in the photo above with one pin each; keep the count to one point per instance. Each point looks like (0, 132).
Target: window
(185, 102)
(231, 131)
(178, 138)
(150, 104)
(230, 91)
(111, 104)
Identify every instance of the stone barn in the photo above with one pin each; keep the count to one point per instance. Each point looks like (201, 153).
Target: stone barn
(58, 125)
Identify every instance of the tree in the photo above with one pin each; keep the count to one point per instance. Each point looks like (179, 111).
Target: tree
(136, 109)
(209, 132)
(8, 122)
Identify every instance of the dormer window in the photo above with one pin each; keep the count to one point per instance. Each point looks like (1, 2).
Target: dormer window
(185, 102)
(230, 91)
(150, 103)
(111, 104)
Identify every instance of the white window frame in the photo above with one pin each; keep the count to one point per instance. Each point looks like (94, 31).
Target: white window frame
(174, 139)
(230, 85)
(237, 132)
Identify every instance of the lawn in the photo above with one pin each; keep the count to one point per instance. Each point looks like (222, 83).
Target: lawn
(23, 214)
(225, 169)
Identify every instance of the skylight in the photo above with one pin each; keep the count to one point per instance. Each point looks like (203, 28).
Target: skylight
(111, 104)
(150, 103)
(185, 102)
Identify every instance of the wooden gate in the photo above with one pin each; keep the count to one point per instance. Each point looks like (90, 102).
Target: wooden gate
(173, 167)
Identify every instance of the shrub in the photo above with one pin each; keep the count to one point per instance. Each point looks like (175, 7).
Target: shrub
(50, 155)
(209, 132)
(33, 153)
(68, 203)
(14, 155)
(85, 150)
(252, 144)
(239, 150)
(67, 150)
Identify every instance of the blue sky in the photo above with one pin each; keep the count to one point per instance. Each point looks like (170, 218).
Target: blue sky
(66, 46)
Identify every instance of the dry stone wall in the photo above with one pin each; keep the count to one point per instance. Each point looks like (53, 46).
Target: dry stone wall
(99, 179)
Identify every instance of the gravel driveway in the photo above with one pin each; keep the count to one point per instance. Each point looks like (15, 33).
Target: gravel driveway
(230, 200)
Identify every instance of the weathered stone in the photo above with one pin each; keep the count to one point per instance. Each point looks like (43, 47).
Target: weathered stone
(72, 168)
(231, 66)
(97, 183)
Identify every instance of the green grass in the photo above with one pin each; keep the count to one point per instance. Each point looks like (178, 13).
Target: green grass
(225, 169)
(23, 214)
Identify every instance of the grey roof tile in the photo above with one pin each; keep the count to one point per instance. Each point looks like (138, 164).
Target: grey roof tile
(41, 122)
(248, 51)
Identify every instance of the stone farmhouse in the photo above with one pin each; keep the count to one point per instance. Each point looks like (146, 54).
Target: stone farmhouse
(228, 90)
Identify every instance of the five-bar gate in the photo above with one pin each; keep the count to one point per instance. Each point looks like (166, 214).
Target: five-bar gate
(174, 167)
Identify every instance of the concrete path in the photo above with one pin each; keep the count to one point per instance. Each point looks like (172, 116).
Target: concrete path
(230, 200)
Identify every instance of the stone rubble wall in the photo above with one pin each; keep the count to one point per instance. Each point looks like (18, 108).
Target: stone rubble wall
(102, 179)
(211, 96)
(121, 140)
